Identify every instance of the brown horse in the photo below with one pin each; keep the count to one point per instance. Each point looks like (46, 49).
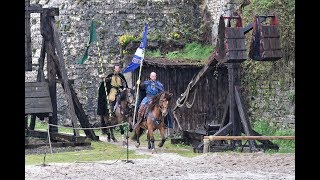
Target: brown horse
(153, 118)
(123, 113)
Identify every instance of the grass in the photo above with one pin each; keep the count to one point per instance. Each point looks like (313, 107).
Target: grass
(181, 149)
(267, 129)
(102, 151)
(192, 51)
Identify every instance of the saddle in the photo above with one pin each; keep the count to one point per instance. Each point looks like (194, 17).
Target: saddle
(142, 114)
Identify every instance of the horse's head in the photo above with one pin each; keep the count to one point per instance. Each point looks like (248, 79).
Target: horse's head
(127, 95)
(164, 102)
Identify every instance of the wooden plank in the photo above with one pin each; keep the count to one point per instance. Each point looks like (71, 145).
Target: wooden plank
(225, 130)
(38, 102)
(64, 75)
(56, 144)
(57, 136)
(37, 110)
(35, 94)
(36, 84)
(215, 138)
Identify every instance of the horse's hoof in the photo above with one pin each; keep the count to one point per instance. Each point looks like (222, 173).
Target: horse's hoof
(124, 143)
(153, 151)
(114, 140)
(137, 145)
(109, 140)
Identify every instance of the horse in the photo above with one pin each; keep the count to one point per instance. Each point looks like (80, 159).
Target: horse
(153, 118)
(123, 113)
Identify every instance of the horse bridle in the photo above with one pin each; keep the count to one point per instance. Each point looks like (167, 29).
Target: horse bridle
(161, 104)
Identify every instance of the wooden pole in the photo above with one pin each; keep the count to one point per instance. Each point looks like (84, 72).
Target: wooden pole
(28, 52)
(215, 138)
(57, 43)
(206, 143)
(137, 93)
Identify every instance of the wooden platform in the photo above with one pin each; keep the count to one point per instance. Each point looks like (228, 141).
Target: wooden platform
(54, 136)
(37, 98)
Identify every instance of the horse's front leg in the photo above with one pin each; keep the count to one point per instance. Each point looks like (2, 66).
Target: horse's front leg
(163, 139)
(137, 135)
(112, 135)
(151, 137)
(124, 143)
(149, 142)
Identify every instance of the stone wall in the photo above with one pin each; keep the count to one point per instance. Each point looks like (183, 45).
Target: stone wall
(113, 18)
(117, 17)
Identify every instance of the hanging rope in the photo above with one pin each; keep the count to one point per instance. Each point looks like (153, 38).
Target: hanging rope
(183, 99)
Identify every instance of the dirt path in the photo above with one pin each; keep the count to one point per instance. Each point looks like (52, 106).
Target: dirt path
(172, 166)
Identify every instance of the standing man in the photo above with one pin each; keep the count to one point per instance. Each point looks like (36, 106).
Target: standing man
(115, 82)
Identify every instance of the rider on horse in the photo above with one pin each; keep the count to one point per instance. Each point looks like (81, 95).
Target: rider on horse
(148, 89)
(115, 82)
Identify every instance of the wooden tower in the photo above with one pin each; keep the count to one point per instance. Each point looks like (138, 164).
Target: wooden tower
(41, 96)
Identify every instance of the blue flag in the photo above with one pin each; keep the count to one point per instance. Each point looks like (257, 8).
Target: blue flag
(139, 55)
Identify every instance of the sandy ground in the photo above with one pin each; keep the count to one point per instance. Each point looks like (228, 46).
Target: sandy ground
(173, 166)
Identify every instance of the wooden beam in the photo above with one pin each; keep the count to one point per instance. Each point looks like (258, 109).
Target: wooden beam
(225, 130)
(40, 76)
(59, 80)
(27, 45)
(51, 74)
(83, 119)
(266, 143)
(225, 112)
(57, 43)
(56, 136)
(36, 8)
(56, 144)
(214, 138)
(244, 118)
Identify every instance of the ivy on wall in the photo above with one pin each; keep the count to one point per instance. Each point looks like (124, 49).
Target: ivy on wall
(269, 79)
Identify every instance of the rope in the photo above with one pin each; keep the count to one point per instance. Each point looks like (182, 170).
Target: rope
(194, 97)
(89, 128)
(82, 128)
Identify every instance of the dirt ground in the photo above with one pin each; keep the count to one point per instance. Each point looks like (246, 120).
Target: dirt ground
(173, 166)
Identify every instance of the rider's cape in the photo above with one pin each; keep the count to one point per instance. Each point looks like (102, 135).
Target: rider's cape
(102, 99)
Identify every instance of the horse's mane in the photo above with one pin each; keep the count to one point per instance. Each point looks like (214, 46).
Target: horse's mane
(155, 99)
(123, 94)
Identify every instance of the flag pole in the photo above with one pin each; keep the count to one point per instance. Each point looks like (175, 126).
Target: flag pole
(137, 93)
(101, 69)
